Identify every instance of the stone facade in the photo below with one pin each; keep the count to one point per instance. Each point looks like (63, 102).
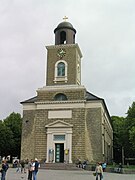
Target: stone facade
(91, 128)
(64, 122)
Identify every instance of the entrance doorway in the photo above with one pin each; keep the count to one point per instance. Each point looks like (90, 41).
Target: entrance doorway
(59, 152)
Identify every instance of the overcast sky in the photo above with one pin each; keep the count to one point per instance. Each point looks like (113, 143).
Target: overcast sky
(105, 34)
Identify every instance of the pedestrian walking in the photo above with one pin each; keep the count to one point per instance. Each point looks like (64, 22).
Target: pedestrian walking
(18, 166)
(99, 171)
(35, 166)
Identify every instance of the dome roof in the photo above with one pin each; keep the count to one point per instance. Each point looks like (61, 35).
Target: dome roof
(64, 25)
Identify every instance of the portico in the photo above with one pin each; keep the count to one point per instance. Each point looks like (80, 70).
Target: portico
(59, 142)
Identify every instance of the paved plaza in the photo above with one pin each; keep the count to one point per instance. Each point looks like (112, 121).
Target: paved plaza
(44, 174)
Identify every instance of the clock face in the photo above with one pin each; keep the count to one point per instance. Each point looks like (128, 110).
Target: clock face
(61, 53)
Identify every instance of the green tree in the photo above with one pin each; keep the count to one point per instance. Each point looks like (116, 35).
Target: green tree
(6, 139)
(132, 136)
(124, 134)
(119, 136)
(10, 135)
(130, 124)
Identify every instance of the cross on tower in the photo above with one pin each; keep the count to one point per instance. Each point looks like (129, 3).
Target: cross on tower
(65, 18)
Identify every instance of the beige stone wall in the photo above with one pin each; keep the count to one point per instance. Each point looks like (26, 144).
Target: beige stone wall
(71, 57)
(40, 134)
(78, 121)
(28, 135)
(93, 132)
(108, 139)
(76, 94)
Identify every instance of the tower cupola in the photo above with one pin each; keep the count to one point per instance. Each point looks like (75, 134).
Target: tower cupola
(64, 33)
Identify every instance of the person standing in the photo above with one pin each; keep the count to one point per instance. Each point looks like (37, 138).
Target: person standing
(22, 166)
(18, 166)
(36, 165)
(4, 169)
(30, 169)
(104, 166)
(99, 171)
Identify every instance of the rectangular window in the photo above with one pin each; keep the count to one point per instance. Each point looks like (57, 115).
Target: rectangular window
(59, 137)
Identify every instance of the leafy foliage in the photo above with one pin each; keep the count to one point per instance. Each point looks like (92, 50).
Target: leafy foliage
(119, 137)
(132, 136)
(10, 135)
(124, 134)
(130, 123)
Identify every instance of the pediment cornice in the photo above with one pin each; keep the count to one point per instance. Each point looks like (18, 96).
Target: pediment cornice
(59, 124)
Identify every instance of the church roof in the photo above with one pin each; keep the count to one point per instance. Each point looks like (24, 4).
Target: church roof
(65, 24)
(89, 96)
(31, 100)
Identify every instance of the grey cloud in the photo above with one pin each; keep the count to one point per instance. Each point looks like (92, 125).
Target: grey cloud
(105, 34)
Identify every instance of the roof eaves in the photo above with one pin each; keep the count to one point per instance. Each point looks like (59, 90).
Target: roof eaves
(31, 100)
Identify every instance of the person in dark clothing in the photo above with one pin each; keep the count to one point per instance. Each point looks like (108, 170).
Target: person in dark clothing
(120, 168)
(22, 166)
(36, 165)
(4, 169)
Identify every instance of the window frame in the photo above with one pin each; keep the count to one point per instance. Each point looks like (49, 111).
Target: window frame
(60, 78)
(60, 95)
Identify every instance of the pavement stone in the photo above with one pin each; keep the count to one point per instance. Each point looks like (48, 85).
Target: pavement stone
(45, 174)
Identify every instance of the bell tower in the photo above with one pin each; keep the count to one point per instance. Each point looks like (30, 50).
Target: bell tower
(64, 58)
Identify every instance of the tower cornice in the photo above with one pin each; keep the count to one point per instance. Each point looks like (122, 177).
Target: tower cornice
(64, 87)
(65, 46)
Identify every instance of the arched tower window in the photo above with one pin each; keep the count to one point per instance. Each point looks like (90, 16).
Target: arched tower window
(60, 97)
(74, 38)
(61, 69)
(62, 37)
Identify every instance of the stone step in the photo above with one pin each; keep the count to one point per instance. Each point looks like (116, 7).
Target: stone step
(59, 166)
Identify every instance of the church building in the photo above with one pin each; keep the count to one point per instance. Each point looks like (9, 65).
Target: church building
(64, 121)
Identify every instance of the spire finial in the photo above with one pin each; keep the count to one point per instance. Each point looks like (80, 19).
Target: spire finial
(65, 18)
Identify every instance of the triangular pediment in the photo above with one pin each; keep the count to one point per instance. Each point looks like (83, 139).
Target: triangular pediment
(59, 123)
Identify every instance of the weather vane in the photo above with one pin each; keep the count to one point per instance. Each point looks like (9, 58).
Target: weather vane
(65, 18)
